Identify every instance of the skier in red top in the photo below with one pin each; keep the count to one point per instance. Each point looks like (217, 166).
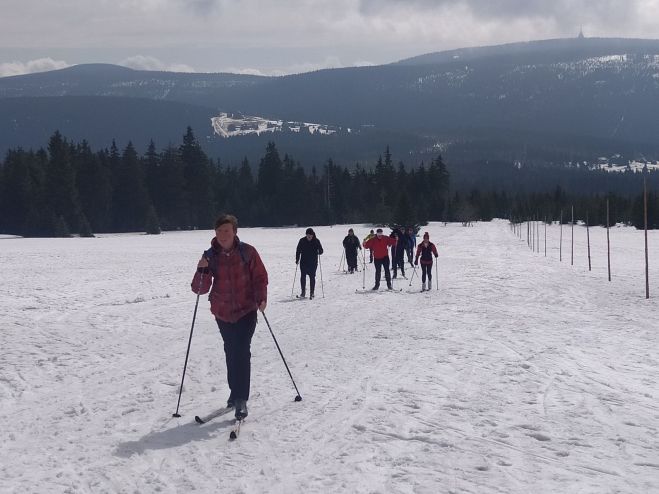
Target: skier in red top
(239, 288)
(379, 246)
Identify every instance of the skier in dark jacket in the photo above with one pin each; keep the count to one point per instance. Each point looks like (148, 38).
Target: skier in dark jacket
(398, 252)
(411, 244)
(351, 244)
(426, 250)
(306, 255)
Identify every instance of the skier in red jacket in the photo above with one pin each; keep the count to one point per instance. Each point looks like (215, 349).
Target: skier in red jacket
(379, 246)
(239, 287)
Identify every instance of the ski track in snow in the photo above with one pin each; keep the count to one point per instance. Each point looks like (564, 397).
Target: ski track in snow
(520, 374)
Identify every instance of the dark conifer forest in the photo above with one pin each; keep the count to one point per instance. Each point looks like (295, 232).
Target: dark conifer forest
(69, 188)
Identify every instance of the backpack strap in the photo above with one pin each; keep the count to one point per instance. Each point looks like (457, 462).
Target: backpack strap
(241, 251)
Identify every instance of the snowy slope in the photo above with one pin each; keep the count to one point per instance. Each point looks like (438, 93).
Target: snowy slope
(229, 125)
(520, 374)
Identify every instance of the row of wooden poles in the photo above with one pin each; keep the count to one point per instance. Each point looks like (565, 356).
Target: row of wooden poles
(533, 237)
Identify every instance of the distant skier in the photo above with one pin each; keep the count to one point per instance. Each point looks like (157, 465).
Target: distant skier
(370, 251)
(239, 287)
(398, 252)
(379, 245)
(351, 244)
(411, 244)
(306, 255)
(426, 250)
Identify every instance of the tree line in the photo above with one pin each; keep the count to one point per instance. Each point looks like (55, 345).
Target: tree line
(69, 188)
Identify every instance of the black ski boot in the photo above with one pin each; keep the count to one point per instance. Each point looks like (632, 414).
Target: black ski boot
(241, 409)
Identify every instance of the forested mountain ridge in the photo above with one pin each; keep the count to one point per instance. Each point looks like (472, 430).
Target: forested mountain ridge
(551, 101)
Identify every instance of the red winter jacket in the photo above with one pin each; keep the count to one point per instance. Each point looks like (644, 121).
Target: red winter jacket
(239, 280)
(379, 246)
(426, 253)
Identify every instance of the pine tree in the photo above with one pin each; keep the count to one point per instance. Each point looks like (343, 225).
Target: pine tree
(94, 188)
(153, 176)
(404, 214)
(131, 201)
(60, 187)
(246, 191)
(438, 183)
(171, 203)
(198, 182)
(85, 229)
(269, 183)
(21, 193)
(58, 226)
(152, 226)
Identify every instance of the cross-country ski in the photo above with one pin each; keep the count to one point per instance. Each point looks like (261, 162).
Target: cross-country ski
(212, 415)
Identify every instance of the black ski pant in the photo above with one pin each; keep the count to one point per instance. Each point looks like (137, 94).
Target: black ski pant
(351, 259)
(399, 263)
(309, 271)
(237, 338)
(410, 255)
(379, 264)
(426, 272)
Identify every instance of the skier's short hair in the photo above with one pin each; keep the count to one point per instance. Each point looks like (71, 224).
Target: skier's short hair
(227, 218)
(379, 230)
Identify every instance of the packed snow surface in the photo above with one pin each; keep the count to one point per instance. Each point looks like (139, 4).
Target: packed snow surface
(519, 374)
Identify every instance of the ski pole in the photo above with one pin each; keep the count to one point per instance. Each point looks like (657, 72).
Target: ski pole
(413, 273)
(187, 353)
(341, 261)
(298, 397)
(294, 276)
(320, 265)
(363, 269)
(436, 275)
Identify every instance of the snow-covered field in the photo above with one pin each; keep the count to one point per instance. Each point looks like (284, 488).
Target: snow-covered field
(521, 374)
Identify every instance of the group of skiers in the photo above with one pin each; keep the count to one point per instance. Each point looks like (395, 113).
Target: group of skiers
(233, 274)
(400, 241)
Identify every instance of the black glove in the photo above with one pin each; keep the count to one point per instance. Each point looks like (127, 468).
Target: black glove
(416, 262)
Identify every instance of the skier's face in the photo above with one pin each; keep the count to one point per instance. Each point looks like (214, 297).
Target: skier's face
(225, 235)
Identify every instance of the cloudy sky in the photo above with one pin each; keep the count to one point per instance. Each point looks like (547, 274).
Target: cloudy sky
(289, 36)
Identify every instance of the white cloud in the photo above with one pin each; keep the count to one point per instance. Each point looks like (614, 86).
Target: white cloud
(283, 37)
(330, 62)
(39, 65)
(142, 62)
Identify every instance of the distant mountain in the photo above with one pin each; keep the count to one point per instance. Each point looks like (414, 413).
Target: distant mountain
(542, 101)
